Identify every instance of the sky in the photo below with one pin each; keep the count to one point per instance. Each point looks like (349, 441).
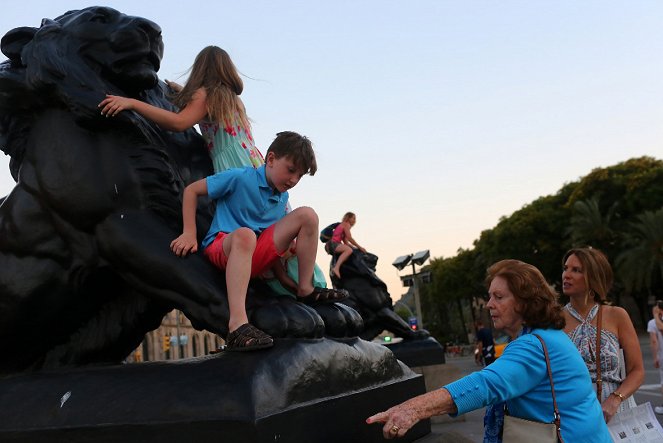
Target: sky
(430, 119)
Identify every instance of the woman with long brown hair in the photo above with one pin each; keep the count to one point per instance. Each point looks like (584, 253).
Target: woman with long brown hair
(586, 280)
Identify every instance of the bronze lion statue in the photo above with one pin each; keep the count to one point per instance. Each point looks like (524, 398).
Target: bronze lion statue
(85, 264)
(369, 297)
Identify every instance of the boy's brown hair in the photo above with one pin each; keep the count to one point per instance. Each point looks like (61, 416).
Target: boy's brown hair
(297, 148)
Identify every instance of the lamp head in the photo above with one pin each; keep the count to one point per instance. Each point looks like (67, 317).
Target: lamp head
(402, 261)
(420, 257)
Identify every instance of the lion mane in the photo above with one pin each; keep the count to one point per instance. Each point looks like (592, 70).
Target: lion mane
(75, 171)
(71, 62)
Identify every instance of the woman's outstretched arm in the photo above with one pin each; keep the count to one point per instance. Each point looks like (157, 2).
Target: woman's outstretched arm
(399, 419)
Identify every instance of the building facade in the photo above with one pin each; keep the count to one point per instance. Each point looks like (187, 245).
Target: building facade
(173, 340)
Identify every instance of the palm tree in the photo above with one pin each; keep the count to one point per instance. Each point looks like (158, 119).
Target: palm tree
(590, 227)
(640, 265)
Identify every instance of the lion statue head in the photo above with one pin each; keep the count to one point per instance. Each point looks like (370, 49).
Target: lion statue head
(120, 53)
(71, 62)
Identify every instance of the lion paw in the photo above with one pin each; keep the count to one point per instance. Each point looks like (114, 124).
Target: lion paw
(286, 318)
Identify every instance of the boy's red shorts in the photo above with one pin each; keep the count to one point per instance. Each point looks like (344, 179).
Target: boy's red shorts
(263, 257)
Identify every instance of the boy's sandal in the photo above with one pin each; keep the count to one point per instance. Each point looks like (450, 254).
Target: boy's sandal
(324, 295)
(248, 338)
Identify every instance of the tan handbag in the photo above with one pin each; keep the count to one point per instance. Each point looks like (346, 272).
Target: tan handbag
(520, 430)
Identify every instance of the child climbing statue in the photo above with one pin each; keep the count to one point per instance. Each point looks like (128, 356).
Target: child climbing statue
(342, 243)
(251, 230)
(210, 98)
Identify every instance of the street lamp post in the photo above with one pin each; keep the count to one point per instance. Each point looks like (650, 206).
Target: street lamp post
(179, 335)
(415, 259)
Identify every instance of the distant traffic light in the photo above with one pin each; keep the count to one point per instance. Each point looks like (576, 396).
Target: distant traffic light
(412, 321)
(387, 338)
(166, 343)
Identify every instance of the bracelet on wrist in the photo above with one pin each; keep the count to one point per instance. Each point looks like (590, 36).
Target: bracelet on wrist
(618, 394)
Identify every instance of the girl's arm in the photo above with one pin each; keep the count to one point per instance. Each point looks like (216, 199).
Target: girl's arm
(191, 114)
(653, 342)
(187, 241)
(350, 240)
(282, 276)
(657, 318)
(635, 371)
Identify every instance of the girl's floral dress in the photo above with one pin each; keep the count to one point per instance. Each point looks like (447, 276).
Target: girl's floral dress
(230, 146)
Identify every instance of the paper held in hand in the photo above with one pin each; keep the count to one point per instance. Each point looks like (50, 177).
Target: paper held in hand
(638, 424)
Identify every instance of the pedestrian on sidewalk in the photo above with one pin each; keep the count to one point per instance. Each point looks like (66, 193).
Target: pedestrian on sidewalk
(485, 349)
(656, 342)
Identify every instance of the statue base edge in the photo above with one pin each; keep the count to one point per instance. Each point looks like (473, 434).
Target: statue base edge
(259, 397)
(416, 353)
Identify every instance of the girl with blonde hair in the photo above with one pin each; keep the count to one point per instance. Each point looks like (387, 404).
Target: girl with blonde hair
(210, 98)
(342, 243)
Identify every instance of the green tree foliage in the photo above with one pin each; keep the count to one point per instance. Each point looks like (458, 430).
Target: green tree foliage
(618, 194)
(455, 281)
(403, 312)
(640, 265)
(534, 234)
(604, 209)
(636, 185)
(589, 226)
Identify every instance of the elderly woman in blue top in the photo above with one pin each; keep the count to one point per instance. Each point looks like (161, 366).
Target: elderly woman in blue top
(521, 302)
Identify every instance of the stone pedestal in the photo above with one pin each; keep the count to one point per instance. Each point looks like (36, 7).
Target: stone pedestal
(298, 391)
(424, 352)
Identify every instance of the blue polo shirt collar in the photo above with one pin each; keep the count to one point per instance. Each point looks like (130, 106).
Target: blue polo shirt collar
(262, 182)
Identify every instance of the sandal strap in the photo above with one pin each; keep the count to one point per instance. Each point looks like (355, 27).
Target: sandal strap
(247, 335)
(320, 295)
(335, 294)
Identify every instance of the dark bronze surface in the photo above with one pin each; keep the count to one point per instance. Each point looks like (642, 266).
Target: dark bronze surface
(315, 390)
(369, 297)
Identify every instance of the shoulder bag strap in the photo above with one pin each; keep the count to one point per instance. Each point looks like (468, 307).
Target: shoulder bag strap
(599, 380)
(558, 422)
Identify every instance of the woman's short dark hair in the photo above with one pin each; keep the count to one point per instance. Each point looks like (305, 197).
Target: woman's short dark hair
(536, 300)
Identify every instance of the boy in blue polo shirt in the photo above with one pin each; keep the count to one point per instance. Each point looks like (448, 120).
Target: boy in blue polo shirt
(251, 230)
